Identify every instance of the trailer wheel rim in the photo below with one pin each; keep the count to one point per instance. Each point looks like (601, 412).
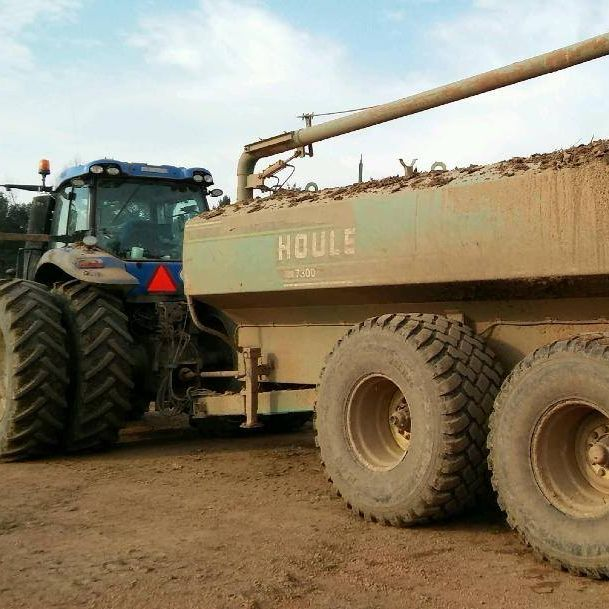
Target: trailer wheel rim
(378, 423)
(570, 458)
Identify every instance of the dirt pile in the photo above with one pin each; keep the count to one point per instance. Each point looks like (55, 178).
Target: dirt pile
(559, 159)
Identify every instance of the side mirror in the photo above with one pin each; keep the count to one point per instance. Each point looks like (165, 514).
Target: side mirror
(216, 192)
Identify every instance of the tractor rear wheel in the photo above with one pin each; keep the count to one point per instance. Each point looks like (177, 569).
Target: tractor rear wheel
(401, 417)
(101, 361)
(33, 371)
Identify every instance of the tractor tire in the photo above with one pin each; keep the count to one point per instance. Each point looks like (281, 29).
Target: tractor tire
(138, 409)
(33, 371)
(549, 453)
(401, 417)
(99, 395)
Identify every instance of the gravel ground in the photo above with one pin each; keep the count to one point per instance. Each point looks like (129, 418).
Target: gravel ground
(172, 520)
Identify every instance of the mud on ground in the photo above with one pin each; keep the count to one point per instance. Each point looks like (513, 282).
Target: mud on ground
(172, 520)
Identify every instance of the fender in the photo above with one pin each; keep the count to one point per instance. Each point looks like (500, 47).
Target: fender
(78, 260)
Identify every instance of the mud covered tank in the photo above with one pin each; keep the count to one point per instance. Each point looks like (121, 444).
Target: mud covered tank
(497, 244)
(398, 306)
(542, 217)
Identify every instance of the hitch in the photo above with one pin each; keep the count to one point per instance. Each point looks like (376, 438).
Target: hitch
(251, 356)
(251, 371)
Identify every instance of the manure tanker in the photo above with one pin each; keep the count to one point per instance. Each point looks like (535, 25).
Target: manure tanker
(395, 309)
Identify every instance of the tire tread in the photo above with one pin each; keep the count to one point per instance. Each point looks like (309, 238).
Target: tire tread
(593, 345)
(99, 394)
(468, 376)
(38, 365)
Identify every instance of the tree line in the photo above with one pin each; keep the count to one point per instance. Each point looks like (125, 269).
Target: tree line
(13, 219)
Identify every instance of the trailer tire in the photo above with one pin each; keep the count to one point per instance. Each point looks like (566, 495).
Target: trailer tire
(33, 371)
(541, 435)
(101, 361)
(401, 417)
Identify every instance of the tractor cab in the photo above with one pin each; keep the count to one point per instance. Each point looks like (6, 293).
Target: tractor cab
(117, 223)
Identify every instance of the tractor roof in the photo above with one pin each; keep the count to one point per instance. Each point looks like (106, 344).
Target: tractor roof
(139, 170)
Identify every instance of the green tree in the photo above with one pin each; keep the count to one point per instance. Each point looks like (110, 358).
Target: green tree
(13, 219)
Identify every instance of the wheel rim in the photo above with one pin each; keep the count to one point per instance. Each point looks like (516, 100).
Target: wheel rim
(570, 458)
(378, 423)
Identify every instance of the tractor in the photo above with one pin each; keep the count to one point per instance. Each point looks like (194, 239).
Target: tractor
(95, 322)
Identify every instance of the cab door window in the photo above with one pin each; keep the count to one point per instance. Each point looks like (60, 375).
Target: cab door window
(59, 226)
(71, 215)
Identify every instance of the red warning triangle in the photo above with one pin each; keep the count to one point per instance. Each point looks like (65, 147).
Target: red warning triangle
(161, 281)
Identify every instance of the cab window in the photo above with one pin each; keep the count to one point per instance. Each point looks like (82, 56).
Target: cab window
(71, 215)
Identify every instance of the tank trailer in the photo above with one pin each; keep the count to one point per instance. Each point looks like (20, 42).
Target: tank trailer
(437, 324)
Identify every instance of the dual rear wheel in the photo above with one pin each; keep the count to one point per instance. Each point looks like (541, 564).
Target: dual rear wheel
(401, 422)
(33, 371)
(65, 368)
(101, 363)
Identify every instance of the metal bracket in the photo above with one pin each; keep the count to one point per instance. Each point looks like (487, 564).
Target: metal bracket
(308, 119)
(251, 355)
(257, 180)
(409, 170)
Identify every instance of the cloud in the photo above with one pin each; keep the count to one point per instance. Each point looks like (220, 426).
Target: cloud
(24, 133)
(16, 16)
(225, 42)
(395, 15)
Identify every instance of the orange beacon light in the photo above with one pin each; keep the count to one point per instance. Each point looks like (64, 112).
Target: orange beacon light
(44, 167)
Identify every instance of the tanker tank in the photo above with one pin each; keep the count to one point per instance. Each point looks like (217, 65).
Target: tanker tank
(536, 225)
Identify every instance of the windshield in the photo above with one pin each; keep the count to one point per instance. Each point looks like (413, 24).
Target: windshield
(142, 220)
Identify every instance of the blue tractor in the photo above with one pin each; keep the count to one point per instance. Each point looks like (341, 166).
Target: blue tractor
(94, 322)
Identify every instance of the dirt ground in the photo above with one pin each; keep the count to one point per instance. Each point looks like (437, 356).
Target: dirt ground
(172, 520)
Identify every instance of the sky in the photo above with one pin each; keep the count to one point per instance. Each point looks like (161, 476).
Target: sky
(190, 82)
